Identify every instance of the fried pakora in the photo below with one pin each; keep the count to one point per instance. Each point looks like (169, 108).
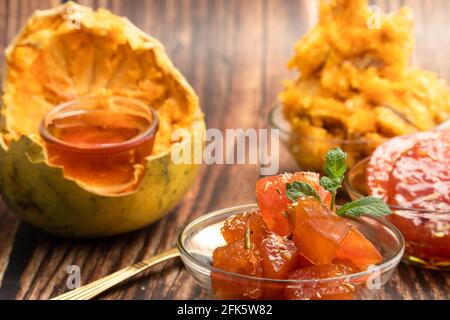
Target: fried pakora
(355, 87)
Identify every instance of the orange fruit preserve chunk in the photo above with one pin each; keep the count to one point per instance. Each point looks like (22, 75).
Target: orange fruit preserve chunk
(273, 203)
(334, 290)
(279, 256)
(322, 236)
(237, 258)
(234, 228)
(318, 231)
(358, 250)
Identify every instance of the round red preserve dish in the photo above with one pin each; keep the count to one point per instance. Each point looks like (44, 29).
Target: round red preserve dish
(421, 178)
(411, 173)
(383, 160)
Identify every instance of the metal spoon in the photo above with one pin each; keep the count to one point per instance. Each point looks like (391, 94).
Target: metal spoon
(93, 289)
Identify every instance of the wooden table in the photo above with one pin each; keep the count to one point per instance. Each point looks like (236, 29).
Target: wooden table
(234, 54)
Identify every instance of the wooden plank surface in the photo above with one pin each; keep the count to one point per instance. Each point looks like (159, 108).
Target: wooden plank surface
(234, 54)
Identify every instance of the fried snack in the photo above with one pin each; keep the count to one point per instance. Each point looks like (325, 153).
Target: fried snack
(355, 88)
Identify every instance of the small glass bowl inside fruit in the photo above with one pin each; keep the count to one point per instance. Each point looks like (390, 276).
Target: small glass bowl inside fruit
(200, 238)
(99, 141)
(426, 233)
(309, 151)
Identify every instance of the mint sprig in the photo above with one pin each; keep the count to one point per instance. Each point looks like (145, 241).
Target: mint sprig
(335, 163)
(299, 189)
(331, 184)
(335, 168)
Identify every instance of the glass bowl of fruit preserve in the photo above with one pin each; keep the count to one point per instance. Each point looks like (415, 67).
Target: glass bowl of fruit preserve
(426, 232)
(410, 173)
(199, 240)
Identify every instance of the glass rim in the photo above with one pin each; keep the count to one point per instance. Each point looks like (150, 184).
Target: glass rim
(276, 125)
(385, 266)
(352, 190)
(149, 133)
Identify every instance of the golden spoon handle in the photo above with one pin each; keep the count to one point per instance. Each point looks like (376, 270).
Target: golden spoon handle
(93, 289)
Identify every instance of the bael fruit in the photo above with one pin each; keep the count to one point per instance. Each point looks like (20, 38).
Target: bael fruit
(322, 237)
(318, 231)
(358, 250)
(279, 256)
(313, 289)
(240, 259)
(235, 228)
(71, 52)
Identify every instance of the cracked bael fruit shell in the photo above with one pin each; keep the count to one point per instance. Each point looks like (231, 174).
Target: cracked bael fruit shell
(70, 52)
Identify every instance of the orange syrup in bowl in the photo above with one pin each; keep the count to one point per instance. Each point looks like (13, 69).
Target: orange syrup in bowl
(101, 142)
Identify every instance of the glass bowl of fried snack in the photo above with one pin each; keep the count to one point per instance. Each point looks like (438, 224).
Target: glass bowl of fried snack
(411, 174)
(355, 87)
(308, 147)
(294, 244)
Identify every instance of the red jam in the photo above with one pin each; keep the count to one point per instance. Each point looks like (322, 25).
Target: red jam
(412, 173)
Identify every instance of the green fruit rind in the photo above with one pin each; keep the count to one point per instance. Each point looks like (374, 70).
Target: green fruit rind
(40, 195)
(37, 191)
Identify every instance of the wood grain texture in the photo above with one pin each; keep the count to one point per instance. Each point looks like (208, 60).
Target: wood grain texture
(234, 54)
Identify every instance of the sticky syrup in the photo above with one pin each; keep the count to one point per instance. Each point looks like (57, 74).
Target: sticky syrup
(91, 128)
(102, 146)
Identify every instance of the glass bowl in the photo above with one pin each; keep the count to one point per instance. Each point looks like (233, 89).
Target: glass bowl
(197, 241)
(309, 151)
(426, 233)
(100, 141)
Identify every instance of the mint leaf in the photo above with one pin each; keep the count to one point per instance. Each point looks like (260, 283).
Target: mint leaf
(298, 189)
(335, 167)
(369, 206)
(331, 184)
(335, 163)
